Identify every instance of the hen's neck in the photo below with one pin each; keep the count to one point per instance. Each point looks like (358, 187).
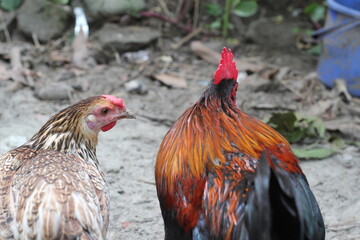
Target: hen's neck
(67, 135)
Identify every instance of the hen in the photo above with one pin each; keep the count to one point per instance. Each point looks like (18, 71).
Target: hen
(222, 174)
(52, 187)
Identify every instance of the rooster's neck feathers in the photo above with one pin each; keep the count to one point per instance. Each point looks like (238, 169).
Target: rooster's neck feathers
(65, 132)
(227, 67)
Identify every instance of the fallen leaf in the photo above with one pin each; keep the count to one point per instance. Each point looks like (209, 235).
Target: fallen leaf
(316, 153)
(57, 56)
(320, 107)
(4, 73)
(171, 80)
(347, 127)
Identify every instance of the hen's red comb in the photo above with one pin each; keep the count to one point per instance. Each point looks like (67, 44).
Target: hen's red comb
(114, 100)
(227, 67)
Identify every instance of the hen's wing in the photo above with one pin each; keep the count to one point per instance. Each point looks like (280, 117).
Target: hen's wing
(9, 163)
(58, 196)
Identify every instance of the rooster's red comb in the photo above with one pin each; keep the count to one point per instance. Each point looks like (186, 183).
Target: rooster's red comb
(114, 100)
(227, 67)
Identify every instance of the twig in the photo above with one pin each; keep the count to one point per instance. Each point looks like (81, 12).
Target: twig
(164, 8)
(179, 7)
(36, 40)
(117, 57)
(196, 13)
(184, 27)
(4, 26)
(145, 181)
(186, 38)
(165, 121)
(167, 19)
(226, 18)
(184, 8)
(293, 90)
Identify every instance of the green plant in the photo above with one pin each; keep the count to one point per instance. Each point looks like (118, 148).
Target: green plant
(241, 8)
(315, 11)
(300, 129)
(10, 5)
(63, 2)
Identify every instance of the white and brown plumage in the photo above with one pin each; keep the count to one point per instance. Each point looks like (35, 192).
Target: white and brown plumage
(52, 187)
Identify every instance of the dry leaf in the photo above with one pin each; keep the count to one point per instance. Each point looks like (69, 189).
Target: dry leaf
(57, 56)
(345, 126)
(320, 107)
(4, 73)
(171, 80)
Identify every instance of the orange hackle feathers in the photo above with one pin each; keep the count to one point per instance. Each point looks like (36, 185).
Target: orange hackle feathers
(227, 67)
(207, 162)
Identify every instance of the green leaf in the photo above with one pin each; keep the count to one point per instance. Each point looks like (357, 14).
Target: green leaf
(245, 9)
(285, 123)
(356, 144)
(295, 30)
(316, 11)
(316, 50)
(296, 126)
(316, 153)
(318, 127)
(64, 2)
(10, 5)
(215, 24)
(213, 9)
(337, 142)
(234, 3)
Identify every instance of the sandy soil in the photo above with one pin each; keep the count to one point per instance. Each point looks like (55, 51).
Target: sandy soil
(127, 154)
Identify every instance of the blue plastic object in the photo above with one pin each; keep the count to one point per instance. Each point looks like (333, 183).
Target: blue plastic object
(341, 39)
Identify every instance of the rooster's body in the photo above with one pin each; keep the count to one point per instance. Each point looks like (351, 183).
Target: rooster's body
(221, 174)
(52, 187)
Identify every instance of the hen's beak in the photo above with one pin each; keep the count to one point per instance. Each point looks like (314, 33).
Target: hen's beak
(128, 114)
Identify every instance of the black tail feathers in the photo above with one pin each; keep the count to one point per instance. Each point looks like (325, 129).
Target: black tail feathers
(282, 206)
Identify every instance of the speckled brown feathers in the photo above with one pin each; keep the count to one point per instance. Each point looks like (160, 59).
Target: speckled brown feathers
(51, 187)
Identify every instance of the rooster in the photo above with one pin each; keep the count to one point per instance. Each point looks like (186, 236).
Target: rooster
(52, 187)
(222, 174)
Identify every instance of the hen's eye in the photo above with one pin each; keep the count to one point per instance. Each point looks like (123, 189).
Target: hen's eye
(104, 111)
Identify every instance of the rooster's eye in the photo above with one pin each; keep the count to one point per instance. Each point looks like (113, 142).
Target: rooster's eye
(104, 111)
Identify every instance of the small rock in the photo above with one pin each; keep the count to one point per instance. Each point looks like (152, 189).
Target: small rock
(136, 86)
(44, 18)
(101, 8)
(346, 160)
(270, 34)
(114, 38)
(54, 91)
(137, 57)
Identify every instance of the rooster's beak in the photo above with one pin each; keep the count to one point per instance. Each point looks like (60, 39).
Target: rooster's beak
(128, 114)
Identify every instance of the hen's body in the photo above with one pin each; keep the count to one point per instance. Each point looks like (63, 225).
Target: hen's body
(52, 186)
(209, 181)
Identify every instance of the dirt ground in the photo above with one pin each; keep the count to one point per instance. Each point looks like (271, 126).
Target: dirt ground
(127, 152)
